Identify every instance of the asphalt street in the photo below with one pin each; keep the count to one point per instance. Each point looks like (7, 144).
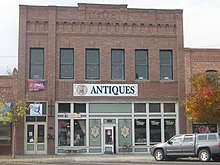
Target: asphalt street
(98, 159)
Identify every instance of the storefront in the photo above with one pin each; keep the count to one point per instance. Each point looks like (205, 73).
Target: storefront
(109, 127)
(35, 134)
(5, 131)
(113, 127)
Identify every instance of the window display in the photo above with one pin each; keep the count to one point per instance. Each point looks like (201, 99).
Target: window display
(140, 132)
(155, 131)
(64, 132)
(169, 128)
(79, 132)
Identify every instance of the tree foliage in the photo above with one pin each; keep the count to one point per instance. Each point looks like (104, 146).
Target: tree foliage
(203, 103)
(13, 114)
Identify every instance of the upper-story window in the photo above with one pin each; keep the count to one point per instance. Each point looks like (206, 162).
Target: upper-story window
(36, 63)
(92, 64)
(66, 63)
(211, 71)
(213, 75)
(117, 64)
(166, 65)
(141, 64)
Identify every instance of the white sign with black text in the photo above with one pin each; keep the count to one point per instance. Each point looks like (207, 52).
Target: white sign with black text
(105, 90)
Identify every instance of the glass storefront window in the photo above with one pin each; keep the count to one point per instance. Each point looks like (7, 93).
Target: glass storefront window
(5, 134)
(169, 107)
(64, 132)
(140, 108)
(154, 107)
(155, 131)
(140, 132)
(204, 128)
(169, 128)
(64, 108)
(79, 132)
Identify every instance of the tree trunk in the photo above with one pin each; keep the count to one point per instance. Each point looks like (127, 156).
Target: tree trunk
(13, 142)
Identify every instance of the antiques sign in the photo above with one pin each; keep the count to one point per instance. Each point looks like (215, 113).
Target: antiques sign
(105, 90)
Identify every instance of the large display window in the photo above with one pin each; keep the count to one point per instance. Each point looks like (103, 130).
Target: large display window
(155, 131)
(79, 132)
(140, 132)
(64, 132)
(169, 128)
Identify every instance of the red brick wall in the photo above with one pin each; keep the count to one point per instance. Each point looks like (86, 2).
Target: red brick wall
(8, 89)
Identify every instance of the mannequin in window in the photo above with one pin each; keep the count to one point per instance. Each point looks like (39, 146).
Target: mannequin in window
(77, 140)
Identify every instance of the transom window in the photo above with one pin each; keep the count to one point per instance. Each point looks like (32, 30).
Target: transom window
(36, 112)
(66, 63)
(117, 64)
(36, 63)
(169, 107)
(166, 65)
(141, 62)
(139, 107)
(92, 63)
(154, 108)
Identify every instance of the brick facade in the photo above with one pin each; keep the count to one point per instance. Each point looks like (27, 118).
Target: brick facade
(104, 27)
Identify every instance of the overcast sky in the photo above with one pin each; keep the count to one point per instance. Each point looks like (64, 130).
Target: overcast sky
(200, 20)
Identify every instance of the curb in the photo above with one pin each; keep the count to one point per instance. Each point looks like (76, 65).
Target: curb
(76, 158)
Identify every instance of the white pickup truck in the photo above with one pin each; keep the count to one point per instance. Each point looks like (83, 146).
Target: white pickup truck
(203, 146)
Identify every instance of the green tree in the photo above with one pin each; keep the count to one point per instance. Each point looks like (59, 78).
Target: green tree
(202, 104)
(13, 115)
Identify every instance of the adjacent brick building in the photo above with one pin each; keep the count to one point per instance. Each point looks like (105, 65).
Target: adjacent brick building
(197, 61)
(8, 89)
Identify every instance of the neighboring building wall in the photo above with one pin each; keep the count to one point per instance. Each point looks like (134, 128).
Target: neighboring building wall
(104, 27)
(197, 61)
(8, 89)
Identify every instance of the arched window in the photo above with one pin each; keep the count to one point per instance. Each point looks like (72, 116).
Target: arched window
(211, 71)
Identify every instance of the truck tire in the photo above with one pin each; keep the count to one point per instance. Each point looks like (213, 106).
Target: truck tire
(159, 155)
(204, 155)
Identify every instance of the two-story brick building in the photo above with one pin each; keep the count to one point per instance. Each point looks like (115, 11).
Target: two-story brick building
(100, 78)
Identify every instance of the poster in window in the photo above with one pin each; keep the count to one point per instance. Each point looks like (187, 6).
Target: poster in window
(36, 109)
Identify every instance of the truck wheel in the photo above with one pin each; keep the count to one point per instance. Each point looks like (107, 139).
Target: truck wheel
(204, 155)
(159, 155)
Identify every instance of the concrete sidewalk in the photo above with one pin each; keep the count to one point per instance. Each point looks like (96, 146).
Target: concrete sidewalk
(68, 159)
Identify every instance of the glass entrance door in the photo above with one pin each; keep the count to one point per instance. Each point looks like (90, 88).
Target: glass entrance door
(36, 138)
(109, 140)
